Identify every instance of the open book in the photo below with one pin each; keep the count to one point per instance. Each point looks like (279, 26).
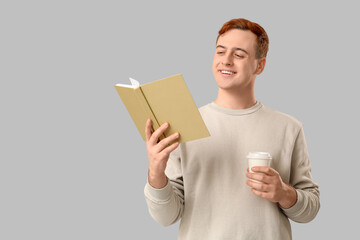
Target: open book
(164, 100)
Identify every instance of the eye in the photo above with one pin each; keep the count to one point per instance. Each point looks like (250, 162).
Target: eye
(220, 52)
(239, 56)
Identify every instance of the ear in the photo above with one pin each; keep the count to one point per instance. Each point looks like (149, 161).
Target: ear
(260, 65)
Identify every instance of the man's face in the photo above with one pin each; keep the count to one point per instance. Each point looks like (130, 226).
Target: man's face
(235, 66)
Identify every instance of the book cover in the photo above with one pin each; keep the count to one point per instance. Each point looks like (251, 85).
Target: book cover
(164, 100)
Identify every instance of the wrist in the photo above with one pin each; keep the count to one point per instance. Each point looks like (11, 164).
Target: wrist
(157, 180)
(290, 197)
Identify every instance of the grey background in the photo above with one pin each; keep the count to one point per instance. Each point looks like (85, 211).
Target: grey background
(72, 163)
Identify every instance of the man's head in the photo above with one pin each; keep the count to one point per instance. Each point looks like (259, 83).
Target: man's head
(262, 39)
(240, 55)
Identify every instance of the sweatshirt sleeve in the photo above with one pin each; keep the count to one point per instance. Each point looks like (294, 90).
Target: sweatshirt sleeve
(166, 205)
(308, 195)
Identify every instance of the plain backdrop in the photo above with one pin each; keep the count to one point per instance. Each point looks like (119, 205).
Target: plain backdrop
(73, 165)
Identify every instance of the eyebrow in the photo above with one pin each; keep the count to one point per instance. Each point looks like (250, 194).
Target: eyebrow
(235, 48)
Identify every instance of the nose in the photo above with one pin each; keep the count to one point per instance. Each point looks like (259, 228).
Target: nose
(227, 60)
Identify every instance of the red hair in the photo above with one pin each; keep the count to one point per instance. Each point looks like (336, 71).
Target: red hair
(262, 39)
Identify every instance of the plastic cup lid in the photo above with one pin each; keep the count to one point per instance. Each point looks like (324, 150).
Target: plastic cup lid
(259, 155)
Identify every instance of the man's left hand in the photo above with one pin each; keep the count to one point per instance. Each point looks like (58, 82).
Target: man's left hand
(271, 186)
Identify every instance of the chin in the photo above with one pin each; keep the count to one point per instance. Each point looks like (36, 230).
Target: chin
(225, 86)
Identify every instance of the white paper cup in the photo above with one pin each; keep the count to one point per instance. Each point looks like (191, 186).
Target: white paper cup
(258, 159)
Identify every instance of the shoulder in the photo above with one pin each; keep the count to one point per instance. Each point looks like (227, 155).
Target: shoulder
(206, 111)
(204, 108)
(279, 118)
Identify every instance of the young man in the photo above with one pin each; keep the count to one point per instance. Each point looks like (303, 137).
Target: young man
(206, 182)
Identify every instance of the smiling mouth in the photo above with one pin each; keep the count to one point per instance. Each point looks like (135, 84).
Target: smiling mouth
(227, 72)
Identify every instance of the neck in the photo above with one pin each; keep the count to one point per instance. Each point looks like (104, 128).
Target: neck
(236, 99)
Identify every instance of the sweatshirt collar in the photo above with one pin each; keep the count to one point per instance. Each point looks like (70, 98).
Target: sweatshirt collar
(236, 112)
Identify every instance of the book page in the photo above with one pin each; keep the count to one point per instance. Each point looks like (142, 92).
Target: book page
(134, 84)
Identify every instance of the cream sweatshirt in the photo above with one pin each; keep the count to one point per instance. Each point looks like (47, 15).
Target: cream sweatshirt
(207, 187)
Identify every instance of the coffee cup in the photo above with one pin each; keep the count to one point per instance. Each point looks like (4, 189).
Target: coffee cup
(258, 159)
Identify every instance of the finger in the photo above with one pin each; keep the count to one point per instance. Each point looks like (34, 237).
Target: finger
(258, 186)
(155, 136)
(170, 148)
(265, 169)
(259, 177)
(148, 130)
(260, 193)
(166, 141)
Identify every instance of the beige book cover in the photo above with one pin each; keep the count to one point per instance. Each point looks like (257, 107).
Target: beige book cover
(164, 100)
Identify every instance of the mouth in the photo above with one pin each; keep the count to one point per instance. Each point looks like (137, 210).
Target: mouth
(227, 72)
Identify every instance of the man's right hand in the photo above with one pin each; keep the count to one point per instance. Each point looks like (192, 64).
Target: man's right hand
(158, 153)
